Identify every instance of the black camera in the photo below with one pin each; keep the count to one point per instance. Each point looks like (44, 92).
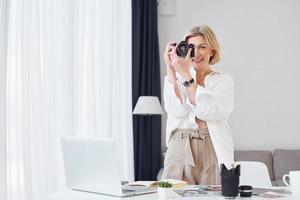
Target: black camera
(183, 48)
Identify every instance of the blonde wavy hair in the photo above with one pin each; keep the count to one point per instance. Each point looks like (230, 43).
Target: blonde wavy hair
(210, 38)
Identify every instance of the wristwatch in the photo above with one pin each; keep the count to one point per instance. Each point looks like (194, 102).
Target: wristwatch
(188, 83)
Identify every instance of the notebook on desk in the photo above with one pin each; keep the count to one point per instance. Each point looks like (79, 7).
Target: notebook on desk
(91, 165)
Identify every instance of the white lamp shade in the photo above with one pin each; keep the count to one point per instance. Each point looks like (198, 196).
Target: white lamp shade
(148, 105)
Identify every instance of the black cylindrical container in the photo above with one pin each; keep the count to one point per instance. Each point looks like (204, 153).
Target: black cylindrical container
(230, 180)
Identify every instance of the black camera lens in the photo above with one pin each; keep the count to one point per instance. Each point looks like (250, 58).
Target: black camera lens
(183, 48)
(246, 190)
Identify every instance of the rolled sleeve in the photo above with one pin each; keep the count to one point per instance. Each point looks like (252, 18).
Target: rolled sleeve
(214, 104)
(172, 104)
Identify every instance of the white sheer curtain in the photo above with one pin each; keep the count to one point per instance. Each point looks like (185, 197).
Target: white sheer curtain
(3, 53)
(68, 73)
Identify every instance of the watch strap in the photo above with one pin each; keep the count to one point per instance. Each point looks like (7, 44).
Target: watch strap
(188, 83)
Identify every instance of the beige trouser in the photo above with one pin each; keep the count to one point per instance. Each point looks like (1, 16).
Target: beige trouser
(191, 157)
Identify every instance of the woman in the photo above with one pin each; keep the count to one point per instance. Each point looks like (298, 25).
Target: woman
(198, 101)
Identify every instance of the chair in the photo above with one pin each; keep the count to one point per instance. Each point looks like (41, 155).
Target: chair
(255, 174)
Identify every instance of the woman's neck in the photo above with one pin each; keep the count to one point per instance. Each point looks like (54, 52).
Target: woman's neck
(200, 75)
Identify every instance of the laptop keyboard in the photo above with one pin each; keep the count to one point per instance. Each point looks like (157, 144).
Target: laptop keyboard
(124, 182)
(127, 190)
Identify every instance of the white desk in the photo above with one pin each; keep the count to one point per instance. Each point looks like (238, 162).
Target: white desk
(76, 195)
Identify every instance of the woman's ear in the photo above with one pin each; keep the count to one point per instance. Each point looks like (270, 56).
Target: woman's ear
(212, 53)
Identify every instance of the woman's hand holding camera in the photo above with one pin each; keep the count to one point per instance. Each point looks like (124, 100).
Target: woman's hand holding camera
(181, 65)
(176, 63)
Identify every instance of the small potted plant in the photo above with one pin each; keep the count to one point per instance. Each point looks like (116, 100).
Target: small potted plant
(165, 190)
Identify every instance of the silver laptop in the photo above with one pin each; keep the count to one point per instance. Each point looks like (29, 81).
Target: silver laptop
(91, 165)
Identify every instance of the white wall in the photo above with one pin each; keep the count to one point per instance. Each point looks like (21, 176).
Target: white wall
(260, 42)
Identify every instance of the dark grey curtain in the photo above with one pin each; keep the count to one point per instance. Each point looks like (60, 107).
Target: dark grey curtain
(145, 82)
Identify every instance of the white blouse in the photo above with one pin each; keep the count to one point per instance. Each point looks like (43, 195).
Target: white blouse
(214, 103)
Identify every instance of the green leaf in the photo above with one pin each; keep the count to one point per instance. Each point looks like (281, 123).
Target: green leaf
(164, 184)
